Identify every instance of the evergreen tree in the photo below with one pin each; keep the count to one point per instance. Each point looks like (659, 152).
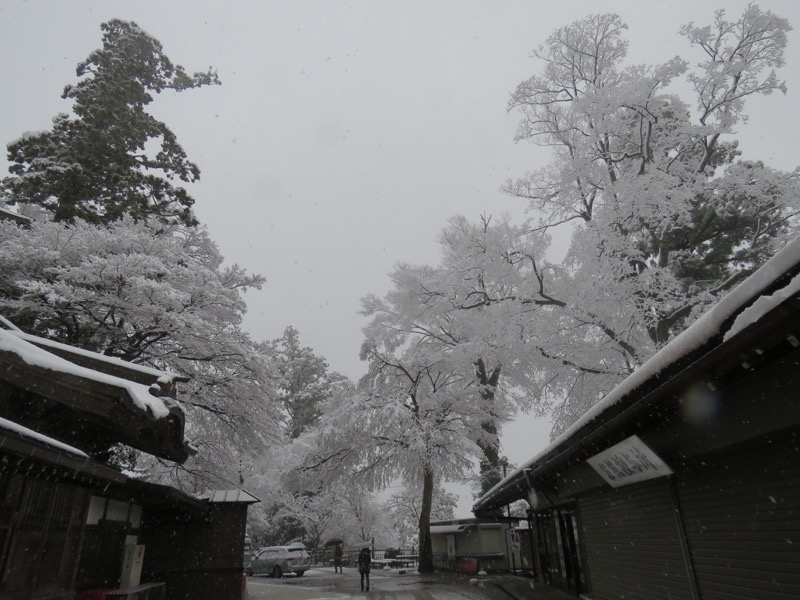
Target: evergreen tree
(111, 158)
(303, 381)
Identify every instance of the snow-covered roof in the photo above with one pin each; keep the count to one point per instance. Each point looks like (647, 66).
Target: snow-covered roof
(29, 448)
(21, 431)
(11, 341)
(163, 377)
(6, 324)
(106, 407)
(240, 496)
(693, 338)
(13, 216)
(450, 528)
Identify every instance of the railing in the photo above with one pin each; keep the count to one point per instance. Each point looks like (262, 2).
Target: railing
(407, 561)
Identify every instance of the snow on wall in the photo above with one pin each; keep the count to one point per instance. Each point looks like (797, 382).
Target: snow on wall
(34, 356)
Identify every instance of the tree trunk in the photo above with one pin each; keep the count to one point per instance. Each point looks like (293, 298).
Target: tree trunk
(425, 546)
(490, 462)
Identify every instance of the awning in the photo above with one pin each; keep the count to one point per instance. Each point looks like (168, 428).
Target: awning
(231, 496)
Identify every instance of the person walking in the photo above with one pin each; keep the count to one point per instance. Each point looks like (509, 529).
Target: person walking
(364, 560)
(337, 559)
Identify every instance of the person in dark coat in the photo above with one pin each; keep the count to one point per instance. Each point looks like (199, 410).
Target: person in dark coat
(364, 560)
(337, 558)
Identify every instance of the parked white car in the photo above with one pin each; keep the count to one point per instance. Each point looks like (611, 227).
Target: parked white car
(277, 560)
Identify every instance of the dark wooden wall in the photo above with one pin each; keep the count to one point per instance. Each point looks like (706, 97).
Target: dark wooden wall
(199, 558)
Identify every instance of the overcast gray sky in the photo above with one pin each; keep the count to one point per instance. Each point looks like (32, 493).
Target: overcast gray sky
(345, 134)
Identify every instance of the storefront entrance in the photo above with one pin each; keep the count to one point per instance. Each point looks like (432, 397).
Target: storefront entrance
(558, 551)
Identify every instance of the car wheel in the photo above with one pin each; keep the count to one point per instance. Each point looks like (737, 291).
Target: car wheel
(276, 572)
(299, 573)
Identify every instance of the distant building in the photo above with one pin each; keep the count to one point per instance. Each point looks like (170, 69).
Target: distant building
(73, 527)
(9, 215)
(472, 545)
(684, 482)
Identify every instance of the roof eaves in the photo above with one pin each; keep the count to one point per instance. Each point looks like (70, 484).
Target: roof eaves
(779, 273)
(108, 365)
(231, 496)
(128, 406)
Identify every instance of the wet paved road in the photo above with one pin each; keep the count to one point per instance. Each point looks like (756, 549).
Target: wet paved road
(322, 584)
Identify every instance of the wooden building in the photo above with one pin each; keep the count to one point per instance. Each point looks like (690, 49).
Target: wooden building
(684, 482)
(71, 526)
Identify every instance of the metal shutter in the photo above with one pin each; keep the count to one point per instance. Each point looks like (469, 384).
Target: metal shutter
(632, 545)
(742, 518)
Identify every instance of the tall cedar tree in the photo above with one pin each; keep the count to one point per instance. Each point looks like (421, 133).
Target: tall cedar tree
(111, 158)
(303, 379)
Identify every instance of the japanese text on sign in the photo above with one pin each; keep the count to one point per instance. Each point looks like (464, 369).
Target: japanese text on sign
(628, 462)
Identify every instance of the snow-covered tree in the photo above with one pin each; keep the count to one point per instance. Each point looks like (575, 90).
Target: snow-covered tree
(472, 312)
(303, 380)
(365, 519)
(283, 517)
(312, 508)
(412, 419)
(111, 158)
(158, 297)
(664, 219)
(292, 508)
(433, 401)
(405, 506)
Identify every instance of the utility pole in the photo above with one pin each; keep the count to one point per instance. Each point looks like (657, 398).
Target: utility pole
(510, 544)
(504, 464)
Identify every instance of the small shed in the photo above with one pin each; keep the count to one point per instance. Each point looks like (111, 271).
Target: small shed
(471, 545)
(684, 482)
(209, 564)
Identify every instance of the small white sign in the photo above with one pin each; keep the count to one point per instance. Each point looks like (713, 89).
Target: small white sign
(132, 562)
(628, 462)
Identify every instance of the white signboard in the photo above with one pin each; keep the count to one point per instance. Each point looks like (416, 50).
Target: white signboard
(451, 546)
(628, 462)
